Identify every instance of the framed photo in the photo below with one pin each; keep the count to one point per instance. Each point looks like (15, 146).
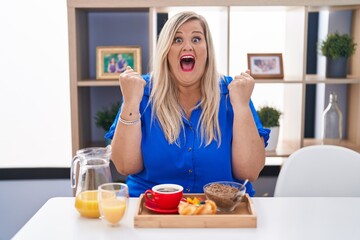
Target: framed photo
(113, 60)
(266, 65)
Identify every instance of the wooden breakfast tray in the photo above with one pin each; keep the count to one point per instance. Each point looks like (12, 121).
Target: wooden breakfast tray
(243, 216)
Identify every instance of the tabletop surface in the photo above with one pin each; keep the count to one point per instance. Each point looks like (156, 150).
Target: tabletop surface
(277, 218)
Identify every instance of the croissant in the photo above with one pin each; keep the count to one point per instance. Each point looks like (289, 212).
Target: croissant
(186, 208)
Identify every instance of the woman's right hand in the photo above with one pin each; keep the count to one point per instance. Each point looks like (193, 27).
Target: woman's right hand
(132, 86)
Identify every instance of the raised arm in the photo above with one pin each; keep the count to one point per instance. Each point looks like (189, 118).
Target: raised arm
(126, 143)
(248, 151)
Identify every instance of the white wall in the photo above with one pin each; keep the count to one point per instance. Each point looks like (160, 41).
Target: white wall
(34, 84)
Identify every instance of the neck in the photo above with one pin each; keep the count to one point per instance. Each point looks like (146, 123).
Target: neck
(188, 98)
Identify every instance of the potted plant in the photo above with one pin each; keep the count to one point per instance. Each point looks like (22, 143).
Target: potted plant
(269, 117)
(337, 49)
(104, 118)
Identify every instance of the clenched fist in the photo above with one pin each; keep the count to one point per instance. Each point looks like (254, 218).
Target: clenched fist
(132, 86)
(241, 88)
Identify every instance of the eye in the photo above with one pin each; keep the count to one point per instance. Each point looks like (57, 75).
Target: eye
(196, 39)
(178, 40)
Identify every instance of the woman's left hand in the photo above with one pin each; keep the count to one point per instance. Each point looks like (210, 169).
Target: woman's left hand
(241, 88)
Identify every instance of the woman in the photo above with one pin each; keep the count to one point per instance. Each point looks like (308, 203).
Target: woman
(184, 123)
(111, 66)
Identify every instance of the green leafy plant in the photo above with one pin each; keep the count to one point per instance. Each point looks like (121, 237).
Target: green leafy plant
(336, 46)
(269, 116)
(105, 117)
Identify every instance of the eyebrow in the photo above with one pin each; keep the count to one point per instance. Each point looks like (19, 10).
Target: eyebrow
(198, 32)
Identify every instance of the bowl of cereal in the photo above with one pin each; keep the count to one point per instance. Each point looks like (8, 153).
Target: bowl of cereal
(226, 195)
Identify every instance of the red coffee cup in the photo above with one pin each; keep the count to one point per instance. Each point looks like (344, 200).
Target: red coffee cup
(165, 196)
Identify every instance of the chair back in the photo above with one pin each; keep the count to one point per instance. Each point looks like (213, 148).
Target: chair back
(320, 171)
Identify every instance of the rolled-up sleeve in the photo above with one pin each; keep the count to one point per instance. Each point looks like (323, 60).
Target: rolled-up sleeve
(111, 132)
(263, 132)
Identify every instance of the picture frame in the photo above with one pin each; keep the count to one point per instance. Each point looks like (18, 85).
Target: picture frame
(111, 61)
(266, 65)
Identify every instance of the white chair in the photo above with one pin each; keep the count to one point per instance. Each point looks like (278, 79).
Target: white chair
(320, 171)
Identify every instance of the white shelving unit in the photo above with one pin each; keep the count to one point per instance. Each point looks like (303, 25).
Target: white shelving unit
(83, 83)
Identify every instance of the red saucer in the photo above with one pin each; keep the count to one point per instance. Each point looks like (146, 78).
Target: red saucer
(153, 207)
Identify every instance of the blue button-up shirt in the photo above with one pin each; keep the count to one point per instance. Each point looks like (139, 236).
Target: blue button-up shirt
(191, 164)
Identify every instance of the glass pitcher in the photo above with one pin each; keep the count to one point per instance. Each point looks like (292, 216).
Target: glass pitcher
(94, 170)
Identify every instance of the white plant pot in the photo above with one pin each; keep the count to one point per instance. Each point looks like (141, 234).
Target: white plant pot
(273, 140)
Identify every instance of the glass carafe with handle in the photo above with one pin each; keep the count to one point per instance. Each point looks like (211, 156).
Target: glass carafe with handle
(92, 165)
(332, 121)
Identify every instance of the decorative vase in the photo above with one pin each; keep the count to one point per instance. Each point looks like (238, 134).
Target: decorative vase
(336, 68)
(332, 122)
(273, 139)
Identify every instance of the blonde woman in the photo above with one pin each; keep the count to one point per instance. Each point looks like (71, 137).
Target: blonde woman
(184, 123)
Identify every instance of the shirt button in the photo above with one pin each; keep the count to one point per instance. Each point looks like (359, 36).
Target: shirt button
(191, 128)
(188, 189)
(189, 149)
(190, 170)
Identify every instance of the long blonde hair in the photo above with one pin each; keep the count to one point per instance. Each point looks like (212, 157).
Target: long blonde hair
(164, 94)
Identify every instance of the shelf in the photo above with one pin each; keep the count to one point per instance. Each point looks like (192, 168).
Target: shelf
(309, 79)
(94, 82)
(314, 79)
(343, 143)
(281, 81)
(275, 161)
(165, 3)
(284, 149)
(97, 83)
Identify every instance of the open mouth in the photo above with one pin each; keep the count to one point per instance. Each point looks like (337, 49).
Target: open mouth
(187, 63)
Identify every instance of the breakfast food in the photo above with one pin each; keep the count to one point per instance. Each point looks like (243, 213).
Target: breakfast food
(195, 206)
(226, 194)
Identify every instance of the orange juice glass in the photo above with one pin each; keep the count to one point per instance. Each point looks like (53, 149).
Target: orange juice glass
(113, 201)
(87, 204)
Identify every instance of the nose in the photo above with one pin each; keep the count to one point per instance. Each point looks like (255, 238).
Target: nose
(188, 46)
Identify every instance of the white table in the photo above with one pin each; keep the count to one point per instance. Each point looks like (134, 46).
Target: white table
(277, 218)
